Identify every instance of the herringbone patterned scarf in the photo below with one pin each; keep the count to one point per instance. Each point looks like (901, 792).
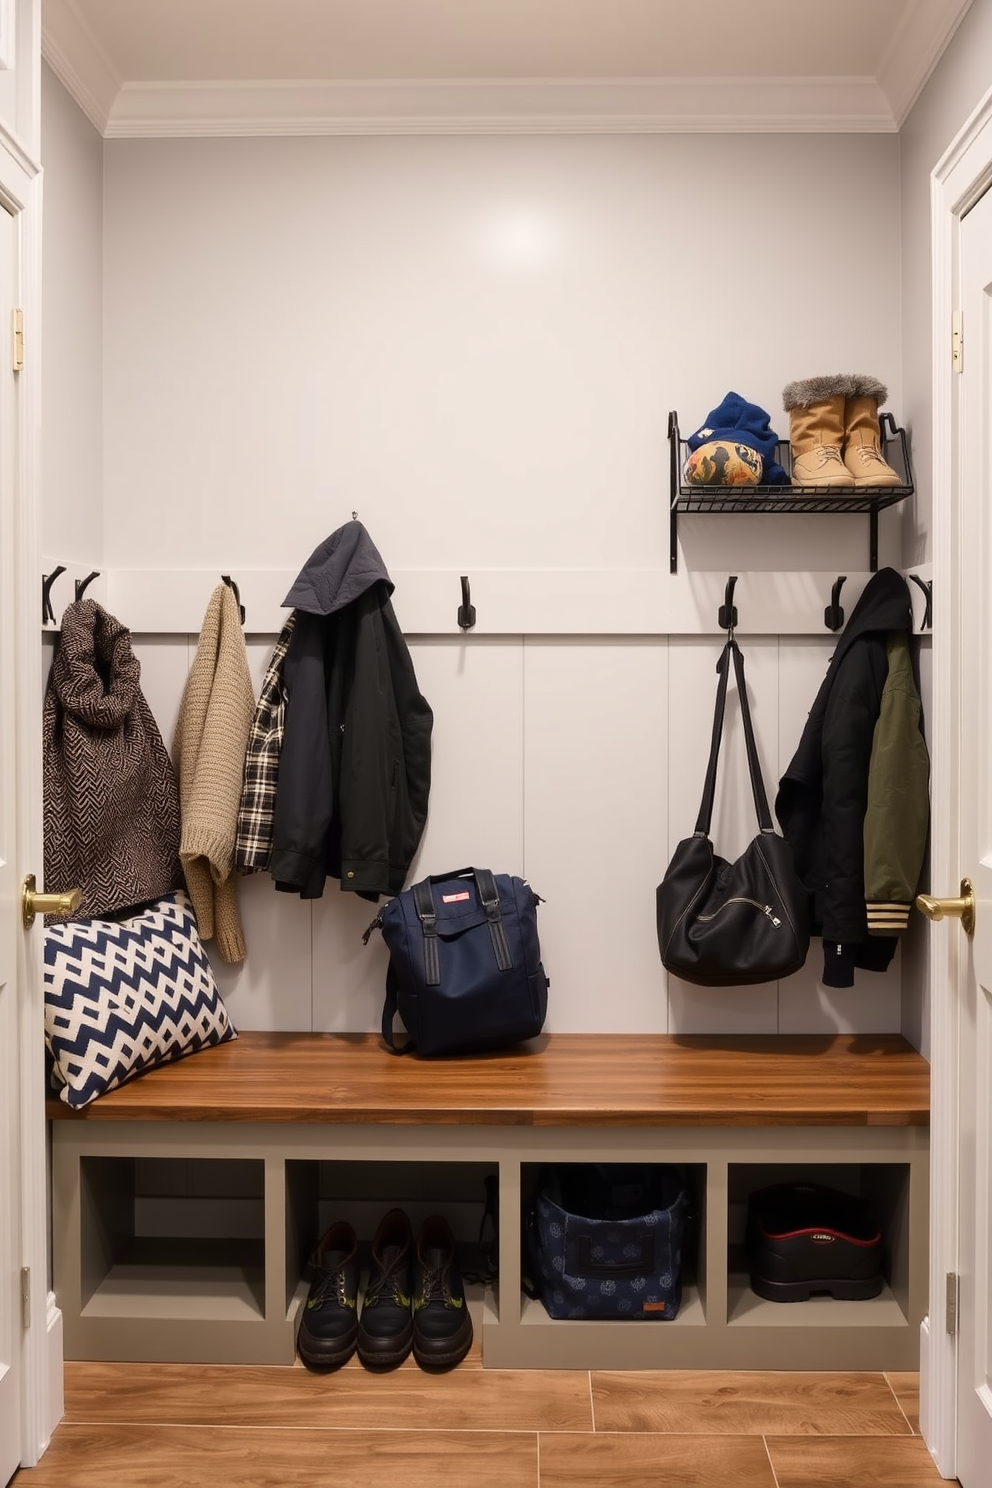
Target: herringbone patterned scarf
(111, 801)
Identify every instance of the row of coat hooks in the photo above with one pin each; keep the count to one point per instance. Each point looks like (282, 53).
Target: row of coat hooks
(47, 580)
(833, 615)
(81, 586)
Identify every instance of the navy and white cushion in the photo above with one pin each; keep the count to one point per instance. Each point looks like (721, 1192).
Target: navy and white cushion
(122, 996)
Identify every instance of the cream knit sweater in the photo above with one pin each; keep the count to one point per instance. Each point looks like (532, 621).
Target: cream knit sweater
(209, 754)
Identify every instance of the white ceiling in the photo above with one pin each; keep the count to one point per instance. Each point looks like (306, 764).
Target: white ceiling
(166, 67)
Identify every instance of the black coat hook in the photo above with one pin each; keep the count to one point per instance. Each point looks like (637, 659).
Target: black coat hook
(237, 595)
(927, 586)
(727, 617)
(466, 610)
(83, 584)
(833, 615)
(47, 580)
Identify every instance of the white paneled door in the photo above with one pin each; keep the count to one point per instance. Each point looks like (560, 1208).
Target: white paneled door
(974, 1448)
(10, 933)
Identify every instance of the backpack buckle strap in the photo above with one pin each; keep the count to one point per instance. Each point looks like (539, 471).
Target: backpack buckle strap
(489, 898)
(424, 903)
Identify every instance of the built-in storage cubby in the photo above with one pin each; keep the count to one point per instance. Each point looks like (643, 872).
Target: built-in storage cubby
(692, 1309)
(318, 1193)
(171, 1244)
(188, 1240)
(886, 1190)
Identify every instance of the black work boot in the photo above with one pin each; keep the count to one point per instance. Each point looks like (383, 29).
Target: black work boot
(329, 1326)
(385, 1328)
(442, 1326)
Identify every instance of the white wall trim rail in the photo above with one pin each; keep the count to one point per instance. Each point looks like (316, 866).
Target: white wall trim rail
(648, 601)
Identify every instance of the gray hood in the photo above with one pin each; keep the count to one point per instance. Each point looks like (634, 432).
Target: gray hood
(345, 566)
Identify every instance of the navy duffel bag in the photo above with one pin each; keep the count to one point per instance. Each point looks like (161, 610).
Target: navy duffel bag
(465, 971)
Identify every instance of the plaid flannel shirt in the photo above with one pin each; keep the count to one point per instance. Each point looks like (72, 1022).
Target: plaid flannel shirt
(256, 812)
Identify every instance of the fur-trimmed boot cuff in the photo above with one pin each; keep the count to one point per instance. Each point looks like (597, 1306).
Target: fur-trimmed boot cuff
(868, 387)
(810, 391)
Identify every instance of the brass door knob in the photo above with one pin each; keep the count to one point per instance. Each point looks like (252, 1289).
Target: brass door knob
(962, 908)
(33, 903)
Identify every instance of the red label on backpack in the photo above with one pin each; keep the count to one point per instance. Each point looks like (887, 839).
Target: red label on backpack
(455, 898)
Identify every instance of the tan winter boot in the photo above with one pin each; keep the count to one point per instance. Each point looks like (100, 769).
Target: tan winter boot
(862, 436)
(815, 406)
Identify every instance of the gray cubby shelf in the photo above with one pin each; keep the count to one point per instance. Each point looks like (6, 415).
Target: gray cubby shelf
(232, 1290)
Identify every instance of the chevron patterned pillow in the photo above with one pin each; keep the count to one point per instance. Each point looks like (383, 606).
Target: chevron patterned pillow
(122, 996)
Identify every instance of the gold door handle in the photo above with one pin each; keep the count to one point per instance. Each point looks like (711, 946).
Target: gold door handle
(33, 903)
(962, 908)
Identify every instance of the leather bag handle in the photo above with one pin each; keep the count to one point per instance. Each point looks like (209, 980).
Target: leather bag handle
(732, 650)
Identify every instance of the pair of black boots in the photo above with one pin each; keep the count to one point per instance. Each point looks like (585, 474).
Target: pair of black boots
(414, 1299)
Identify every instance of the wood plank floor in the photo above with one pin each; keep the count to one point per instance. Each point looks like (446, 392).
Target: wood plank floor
(208, 1426)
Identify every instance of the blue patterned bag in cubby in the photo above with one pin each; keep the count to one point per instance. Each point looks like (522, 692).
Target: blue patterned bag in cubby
(605, 1240)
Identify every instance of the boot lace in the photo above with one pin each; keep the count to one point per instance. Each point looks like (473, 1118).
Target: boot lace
(331, 1287)
(388, 1284)
(869, 454)
(433, 1289)
(829, 452)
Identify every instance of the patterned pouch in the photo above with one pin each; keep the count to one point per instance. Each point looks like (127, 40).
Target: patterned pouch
(605, 1240)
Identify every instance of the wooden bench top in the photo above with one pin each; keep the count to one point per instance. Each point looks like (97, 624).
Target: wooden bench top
(618, 1080)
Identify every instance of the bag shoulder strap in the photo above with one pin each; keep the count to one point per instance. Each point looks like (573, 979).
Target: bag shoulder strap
(753, 763)
(389, 1010)
(423, 901)
(732, 650)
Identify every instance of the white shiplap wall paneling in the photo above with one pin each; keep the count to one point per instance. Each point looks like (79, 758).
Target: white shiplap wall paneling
(348, 977)
(596, 808)
(165, 662)
(692, 692)
(272, 988)
(871, 1005)
(476, 816)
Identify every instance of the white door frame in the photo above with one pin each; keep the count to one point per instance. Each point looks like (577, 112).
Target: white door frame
(41, 1339)
(958, 180)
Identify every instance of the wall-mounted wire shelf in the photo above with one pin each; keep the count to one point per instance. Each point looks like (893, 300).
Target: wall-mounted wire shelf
(751, 500)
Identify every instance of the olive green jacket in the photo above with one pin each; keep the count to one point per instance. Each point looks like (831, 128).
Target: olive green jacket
(898, 814)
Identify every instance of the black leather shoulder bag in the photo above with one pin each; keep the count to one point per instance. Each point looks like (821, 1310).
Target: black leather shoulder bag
(726, 924)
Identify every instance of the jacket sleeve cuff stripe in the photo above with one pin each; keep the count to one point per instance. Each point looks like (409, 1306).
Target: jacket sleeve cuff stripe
(887, 918)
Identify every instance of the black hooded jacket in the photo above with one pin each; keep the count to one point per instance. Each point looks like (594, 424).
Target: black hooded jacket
(823, 795)
(355, 765)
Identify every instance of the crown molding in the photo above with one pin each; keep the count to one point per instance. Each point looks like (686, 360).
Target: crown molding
(471, 106)
(653, 105)
(79, 61)
(916, 47)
